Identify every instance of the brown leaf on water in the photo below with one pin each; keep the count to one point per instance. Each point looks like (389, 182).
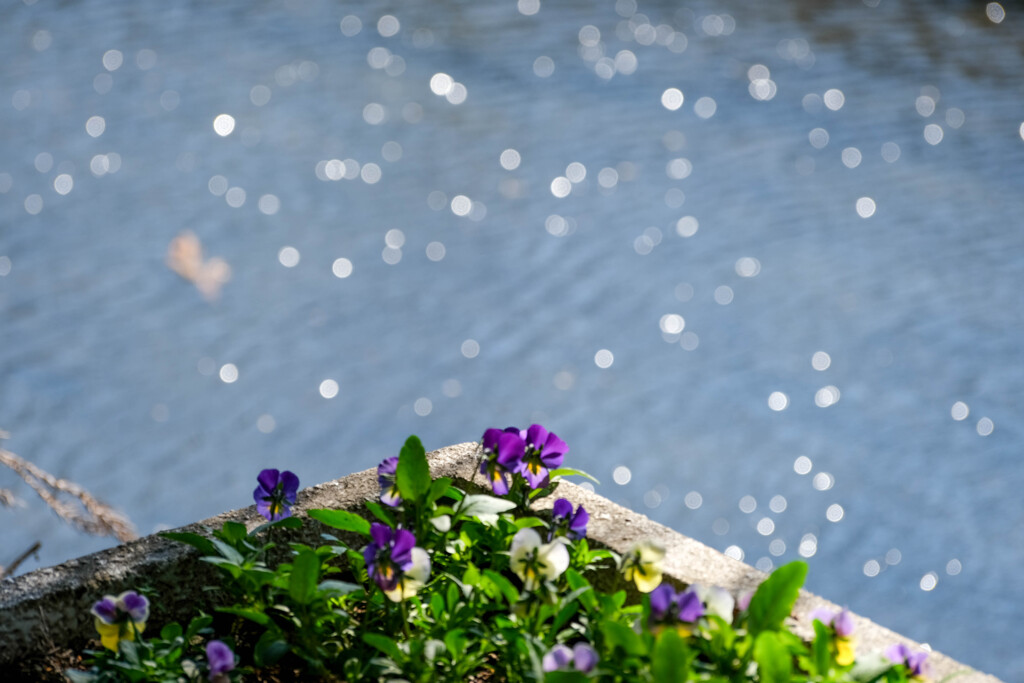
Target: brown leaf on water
(185, 257)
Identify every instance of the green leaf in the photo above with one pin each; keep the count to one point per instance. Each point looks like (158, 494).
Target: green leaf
(196, 625)
(454, 640)
(286, 523)
(335, 588)
(378, 511)
(305, 573)
(453, 596)
(170, 631)
(384, 644)
(527, 522)
(774, 663)
(564, 615)
(472, 576)
(227, 552)
(204, 544)
(569, 472)
(233, 531)
(437, 606)
(269, 649)
(577, 582)
(250, 613)
(670, 660)
(503, 585)
(820, 647)
(774, 599)
(413, 474)
(342, 519)
(438, 487)
(80, 676)
(620, 635)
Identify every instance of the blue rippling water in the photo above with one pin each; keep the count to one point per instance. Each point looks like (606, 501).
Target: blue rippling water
(759, 264)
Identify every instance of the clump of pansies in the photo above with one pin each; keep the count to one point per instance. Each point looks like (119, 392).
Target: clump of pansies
(441, 581)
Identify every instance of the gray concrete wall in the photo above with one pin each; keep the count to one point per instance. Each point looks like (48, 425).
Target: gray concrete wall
(51, 606)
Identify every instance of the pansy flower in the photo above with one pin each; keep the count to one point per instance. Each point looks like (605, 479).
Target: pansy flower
(275, 494)
(565, 522)
(395, 563)
(717, 601)
(582, 656)
(642, 565)
(221, 660)
(915, 662)
(535, 562)
(503, 454)
(842, 626)
(544, 451)
(680, 610)
(386, 477)
(120, 618)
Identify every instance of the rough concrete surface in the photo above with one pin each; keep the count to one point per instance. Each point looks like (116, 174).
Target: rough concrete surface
(51, 606)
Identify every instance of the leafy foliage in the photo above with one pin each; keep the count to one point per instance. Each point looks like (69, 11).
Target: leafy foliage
(452, 585)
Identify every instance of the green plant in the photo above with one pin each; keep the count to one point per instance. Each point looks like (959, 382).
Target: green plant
(444, 583)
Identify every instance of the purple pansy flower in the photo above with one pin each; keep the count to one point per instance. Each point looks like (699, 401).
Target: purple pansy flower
(568, 523)
(275, 494)
(667, 605)
(127, 606)
(386, 477)
(544, 452)
(221, 660)
(120, 618)
(915, 662)
(503, 453)
(582, 656)
(841, 621)
(388, 555)
(557, 658)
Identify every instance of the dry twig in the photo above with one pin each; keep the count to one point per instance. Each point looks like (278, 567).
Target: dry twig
(13, 566)
(76, 506)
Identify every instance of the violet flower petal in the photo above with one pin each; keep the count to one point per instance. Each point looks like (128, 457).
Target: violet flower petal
(220, 657)
(390, 496)
(578, 525)
(401, 548)
(536, 436)
(822, 614)
(386, 471)
(843, 624)
(584, 657)
(510, 450)
(554, 445)
(381, 534)
(556, 658)
(490, 439)
(690, 606)
(105, 610)
(662, 598)
(535, 474)
(289, 486)
(268, 480)
(562, 508)
(135, 605)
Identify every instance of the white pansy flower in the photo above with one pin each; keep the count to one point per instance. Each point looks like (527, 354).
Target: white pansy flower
(718, 601)
(534, 561)
(413, 578)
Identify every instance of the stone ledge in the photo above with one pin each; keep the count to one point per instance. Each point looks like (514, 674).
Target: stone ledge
(52, 605)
